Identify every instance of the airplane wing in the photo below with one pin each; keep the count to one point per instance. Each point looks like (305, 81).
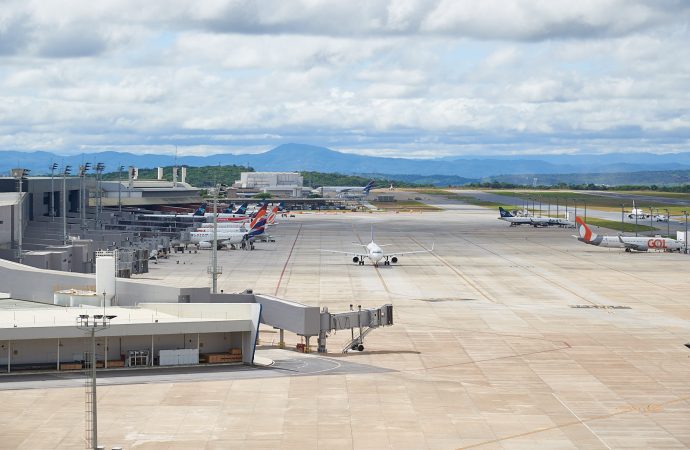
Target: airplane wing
(412, 253)
(360, 255)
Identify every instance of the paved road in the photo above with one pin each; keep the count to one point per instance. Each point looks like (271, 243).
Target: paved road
(286, 363)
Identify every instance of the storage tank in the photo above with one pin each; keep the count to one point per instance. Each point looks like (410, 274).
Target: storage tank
(105, 278)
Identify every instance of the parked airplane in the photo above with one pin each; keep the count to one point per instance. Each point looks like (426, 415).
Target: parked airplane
(629, 243)
(201, 212)
(204, 239)
(244, 225)
(375, 254)
(534, 221)
(241, 210)
(346, 191)
(637, 212)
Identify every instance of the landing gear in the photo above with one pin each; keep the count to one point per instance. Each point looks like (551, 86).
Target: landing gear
(358, 347)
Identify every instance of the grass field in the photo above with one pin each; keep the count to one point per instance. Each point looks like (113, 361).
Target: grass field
(405, 205)
(674, 195)
(594, 201)
(615, 225)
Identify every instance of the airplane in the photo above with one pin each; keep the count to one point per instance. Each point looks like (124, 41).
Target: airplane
(201, 212)
(375, 254)
(346, 191)
(629, 243)
(637, 213)
(244, 225)
(241, 210)
(534, 221)
(204, 238)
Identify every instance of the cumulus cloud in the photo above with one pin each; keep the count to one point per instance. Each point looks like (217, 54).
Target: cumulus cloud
(400, 77)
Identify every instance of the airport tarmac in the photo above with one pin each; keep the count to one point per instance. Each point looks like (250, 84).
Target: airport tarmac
(503, 338)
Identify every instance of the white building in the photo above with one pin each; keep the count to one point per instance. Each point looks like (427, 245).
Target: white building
(280, 184)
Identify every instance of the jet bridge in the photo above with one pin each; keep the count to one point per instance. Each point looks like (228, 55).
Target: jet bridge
(363, 321)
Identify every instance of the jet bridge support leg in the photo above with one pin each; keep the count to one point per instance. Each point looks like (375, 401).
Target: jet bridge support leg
(281, 343)
(321, 348)
(364, 320)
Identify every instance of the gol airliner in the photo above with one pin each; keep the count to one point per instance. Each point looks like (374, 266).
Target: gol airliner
(629, 243)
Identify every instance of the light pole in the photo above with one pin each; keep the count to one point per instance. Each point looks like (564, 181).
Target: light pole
(636, 214)
(93, 324)
(566, 209)
(119, 188)
(686, 231)
(82, 193)
(622, 217)
(66, 170)
(651, 217)
(20, 174)
(668, 222)
(99, 193)
(575, 206)
(53, 167)
(585, 212)
(215, 243)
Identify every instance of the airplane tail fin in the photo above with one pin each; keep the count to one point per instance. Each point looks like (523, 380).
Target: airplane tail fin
(229, 209)
(504, 213)
(272, 216)
(258, 228)
(242, 209)
(368, 187)
(201, 210)
(583, 230)
(257, 218)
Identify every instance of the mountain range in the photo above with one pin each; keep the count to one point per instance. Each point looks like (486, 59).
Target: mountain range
(300, 157)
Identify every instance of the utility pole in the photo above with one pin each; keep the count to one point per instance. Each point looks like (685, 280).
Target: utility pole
(97, 323)
(66, 170)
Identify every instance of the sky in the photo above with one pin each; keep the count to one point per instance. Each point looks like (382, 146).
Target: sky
(400, 78)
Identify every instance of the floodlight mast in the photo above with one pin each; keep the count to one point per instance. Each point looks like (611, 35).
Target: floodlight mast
(99, 322)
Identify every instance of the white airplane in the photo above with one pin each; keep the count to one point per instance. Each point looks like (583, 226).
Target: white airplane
(346, 191)
(243, 224)
(629, 243)
(637, 212)
(226, 215)
(375, 254)
(204, 239)
(534, 221)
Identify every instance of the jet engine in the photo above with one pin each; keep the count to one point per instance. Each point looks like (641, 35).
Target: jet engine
(394, 259)
(355, 259)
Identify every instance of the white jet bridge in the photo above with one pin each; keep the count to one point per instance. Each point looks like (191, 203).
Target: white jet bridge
(362, 320)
